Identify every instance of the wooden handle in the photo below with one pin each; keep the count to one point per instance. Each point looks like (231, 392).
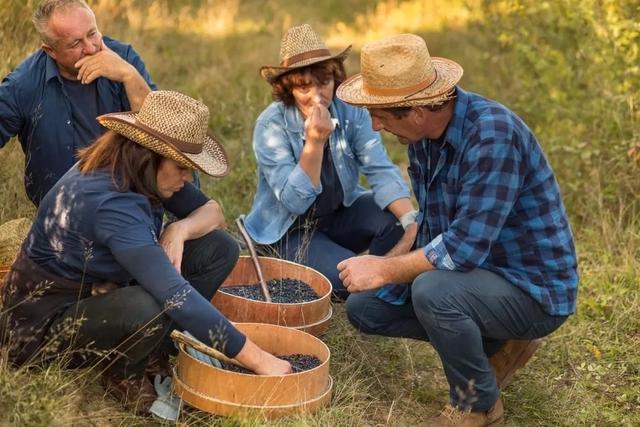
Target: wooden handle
(254, 257)
(176, 335)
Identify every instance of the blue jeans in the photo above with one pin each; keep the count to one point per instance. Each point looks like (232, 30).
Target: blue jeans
(348, 232)
(466, 317)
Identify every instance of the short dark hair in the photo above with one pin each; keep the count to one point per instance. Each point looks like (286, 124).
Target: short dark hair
(401, 112)
(321, 72)
(132, 166)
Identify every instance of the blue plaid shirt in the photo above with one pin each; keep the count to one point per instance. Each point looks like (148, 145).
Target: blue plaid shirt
(492, 202)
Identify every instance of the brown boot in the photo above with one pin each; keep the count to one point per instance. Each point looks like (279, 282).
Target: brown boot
(136, 394)
(453, 417)
(513, 355)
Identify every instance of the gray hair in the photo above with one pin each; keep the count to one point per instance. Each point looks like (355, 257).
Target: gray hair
(44, 11)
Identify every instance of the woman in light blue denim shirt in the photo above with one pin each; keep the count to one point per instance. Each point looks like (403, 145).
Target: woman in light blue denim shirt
(311, 150)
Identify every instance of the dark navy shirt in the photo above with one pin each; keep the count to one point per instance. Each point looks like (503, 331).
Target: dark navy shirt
(493, 203)
(35, 105)
(84, 109)
(329, 200)
(86, 230)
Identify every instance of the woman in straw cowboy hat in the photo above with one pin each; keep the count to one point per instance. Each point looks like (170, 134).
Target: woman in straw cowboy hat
(102, 223)
(494, 267)
(312, 149)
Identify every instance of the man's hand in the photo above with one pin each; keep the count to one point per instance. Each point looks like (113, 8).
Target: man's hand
(318, 126)
(105, 63)
(172, 241)
(362, 273)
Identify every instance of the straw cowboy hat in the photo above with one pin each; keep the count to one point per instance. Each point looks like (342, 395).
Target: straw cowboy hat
(398, 71)
(175, 126)
(300, 47)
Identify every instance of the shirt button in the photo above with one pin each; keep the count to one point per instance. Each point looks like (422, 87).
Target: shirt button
(68, 122)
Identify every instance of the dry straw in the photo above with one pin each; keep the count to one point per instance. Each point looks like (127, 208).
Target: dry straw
(175, 126)
(398, 71)
(12, 234)
(301, 46)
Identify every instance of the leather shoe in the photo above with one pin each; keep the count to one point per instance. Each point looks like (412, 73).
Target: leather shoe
(454, 417)
(513, 355)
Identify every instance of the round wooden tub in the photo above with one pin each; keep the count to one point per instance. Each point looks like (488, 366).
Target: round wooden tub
(312, 316)
(223, 392)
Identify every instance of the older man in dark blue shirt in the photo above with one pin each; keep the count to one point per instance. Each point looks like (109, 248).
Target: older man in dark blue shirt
(494, 267)
(52, 99)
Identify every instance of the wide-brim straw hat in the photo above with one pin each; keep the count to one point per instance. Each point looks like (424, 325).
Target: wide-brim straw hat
(301, 46)
(173, 125)
(398, 71)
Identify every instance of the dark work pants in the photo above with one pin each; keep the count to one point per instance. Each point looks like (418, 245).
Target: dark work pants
(128, 323)
(466, 317)
(350, 231)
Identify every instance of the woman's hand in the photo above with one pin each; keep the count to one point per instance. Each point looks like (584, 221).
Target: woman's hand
(318, 126)
(172, 241)
(261, 362)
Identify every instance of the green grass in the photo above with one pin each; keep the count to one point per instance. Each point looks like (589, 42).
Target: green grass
(569, 68)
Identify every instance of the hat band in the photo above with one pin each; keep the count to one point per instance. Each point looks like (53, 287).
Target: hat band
(287, 62)
(398, 91)
(183, 146)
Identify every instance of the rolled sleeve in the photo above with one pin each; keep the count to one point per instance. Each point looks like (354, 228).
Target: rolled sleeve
(388, 193)
(436, 253)
(10, 119)
(290, 184)
(299, 189)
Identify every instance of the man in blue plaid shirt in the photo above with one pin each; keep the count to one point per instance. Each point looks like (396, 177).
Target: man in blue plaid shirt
(494, 266)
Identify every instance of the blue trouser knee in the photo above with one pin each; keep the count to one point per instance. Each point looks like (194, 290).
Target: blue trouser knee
(466, 317)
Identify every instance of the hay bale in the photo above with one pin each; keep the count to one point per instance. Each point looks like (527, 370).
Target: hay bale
(12, 234)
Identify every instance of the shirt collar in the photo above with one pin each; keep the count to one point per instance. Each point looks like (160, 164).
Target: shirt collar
(453, 135)
(51, 70)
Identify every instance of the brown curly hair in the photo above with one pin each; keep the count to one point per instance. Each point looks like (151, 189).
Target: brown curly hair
(321, 73)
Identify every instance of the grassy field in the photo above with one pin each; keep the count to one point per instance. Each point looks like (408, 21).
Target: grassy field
(569, 68)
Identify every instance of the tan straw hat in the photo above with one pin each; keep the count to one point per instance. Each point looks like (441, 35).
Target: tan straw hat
(398, 71)
(300, 46)
(175, 126)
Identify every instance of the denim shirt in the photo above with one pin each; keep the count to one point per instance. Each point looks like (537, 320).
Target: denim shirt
(35, 106)
(285, 191)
